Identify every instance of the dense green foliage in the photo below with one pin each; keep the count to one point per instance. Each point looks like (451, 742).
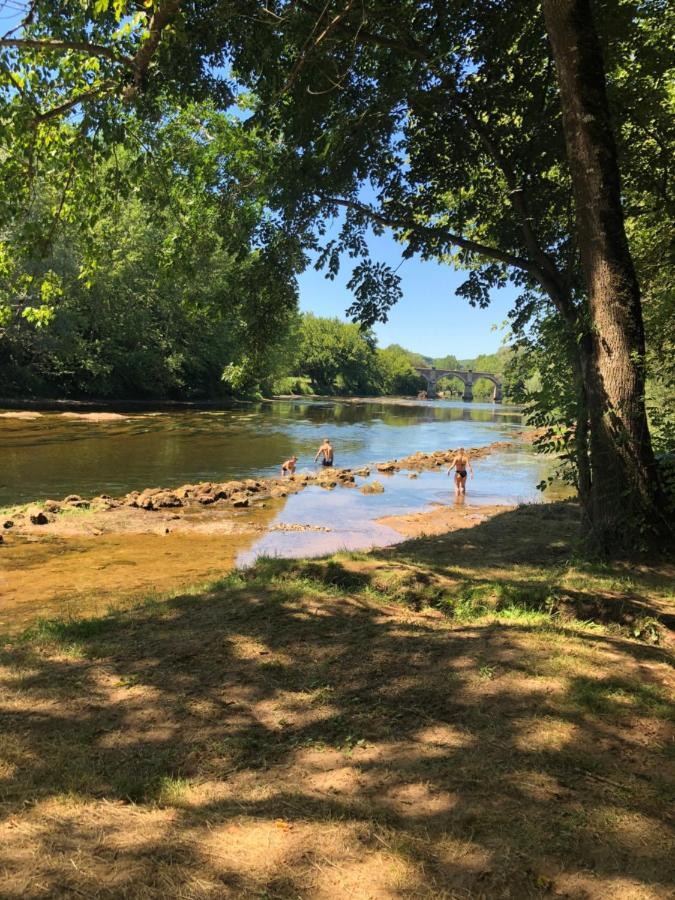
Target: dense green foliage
(150, 285)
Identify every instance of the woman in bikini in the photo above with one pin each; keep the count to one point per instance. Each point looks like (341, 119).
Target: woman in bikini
(460, 464)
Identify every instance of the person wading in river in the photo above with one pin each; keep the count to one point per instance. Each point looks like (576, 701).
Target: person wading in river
(288, 467)
(460, 464)
(325, 450)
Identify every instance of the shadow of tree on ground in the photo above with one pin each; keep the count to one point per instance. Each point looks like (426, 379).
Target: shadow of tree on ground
(296, 733)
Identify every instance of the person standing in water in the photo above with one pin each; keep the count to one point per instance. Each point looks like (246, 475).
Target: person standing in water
(460, 464)
(325, 450)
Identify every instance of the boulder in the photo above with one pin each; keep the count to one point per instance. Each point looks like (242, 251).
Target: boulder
(8, 523)
(412, 475)
(239, 500)
(206, 499)
(278, 492)
(52, 506)
(373, 487)
(37, 516)
(72, 498)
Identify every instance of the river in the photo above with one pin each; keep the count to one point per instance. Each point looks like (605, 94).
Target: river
(52, 455)
(55, 454)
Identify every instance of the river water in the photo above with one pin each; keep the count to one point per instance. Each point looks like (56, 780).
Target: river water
(54, 454)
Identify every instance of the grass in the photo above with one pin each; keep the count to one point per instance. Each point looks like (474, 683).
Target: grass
(468, 715)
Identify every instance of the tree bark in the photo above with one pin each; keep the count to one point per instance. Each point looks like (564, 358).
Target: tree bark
(624, 494)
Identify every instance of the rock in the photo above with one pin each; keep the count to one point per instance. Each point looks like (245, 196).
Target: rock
(8, 523)
(412, 475)
(277, 492)
(231, 487)
(79, 504)
(2, 540)
(373, 487)
(52, 506)
(363, 472)
(251, 485)
(206, 499)
(386, 467)
(37, 516)
(166, 500)
(72, 498)
(239, 500)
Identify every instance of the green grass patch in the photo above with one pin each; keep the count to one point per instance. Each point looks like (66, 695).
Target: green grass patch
(616, 697)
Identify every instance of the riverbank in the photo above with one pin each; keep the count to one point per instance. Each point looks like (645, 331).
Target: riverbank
(467, 714)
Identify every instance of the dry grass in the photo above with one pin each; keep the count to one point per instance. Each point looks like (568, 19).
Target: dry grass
(416, 722)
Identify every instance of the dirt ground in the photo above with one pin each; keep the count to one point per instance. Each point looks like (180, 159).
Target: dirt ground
(411, 722)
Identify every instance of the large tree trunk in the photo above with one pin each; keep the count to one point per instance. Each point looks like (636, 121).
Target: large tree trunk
(624, 489)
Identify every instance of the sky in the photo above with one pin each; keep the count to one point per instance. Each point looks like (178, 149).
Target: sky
(429, 319)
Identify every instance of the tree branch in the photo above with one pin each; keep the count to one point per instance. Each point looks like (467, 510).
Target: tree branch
(442, 234)
(105, 88)
(51, 44)
(160, 19)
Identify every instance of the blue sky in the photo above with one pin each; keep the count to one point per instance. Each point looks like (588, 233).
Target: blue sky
(429, 319)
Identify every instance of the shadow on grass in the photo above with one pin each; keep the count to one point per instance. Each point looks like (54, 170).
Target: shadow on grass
(160, 749)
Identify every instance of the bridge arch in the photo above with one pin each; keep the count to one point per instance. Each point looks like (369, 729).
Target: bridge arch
(432, 376)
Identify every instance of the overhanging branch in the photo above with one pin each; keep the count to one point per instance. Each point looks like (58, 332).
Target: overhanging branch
(439, 233)
(50, 45)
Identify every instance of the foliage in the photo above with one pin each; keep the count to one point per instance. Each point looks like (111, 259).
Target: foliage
(152, 283)
(337, 357)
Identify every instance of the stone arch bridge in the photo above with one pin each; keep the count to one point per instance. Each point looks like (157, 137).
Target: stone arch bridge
(433, 375)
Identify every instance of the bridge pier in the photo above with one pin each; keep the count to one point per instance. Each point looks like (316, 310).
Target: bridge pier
(467, 396)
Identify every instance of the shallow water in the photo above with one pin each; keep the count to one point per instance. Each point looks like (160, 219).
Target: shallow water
(52, 456)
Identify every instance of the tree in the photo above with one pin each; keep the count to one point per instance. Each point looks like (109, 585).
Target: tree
(152, 280)
(397, 375)
(624, 476)
(338, 357)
